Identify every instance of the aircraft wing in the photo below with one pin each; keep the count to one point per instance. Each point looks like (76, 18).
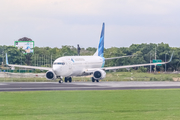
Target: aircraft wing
(25, 66)
(118, 57)
(127, 66)
(137, 65)
(130, 66)
(29, 67)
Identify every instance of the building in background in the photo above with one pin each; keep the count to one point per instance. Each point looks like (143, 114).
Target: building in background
(26, 44)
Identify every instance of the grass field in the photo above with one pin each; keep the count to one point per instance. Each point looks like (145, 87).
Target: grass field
(91, 105)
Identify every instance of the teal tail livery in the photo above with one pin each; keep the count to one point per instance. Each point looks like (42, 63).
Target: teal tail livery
(100, 49)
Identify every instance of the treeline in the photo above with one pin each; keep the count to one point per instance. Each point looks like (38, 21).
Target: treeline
(43, 56)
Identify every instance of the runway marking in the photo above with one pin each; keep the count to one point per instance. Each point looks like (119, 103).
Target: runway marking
(2, 84)
(131, 84)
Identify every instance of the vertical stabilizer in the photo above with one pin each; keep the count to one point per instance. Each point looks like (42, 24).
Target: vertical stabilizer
(100, 49)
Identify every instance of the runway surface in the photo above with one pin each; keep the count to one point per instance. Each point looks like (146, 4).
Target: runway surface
(39, 86)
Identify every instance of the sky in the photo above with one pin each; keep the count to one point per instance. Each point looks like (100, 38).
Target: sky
(53, 23)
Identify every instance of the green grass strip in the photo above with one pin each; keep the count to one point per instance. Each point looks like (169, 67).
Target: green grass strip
(91, 105)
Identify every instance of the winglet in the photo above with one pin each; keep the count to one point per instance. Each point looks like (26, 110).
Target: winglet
(171, 57)
(6, 59)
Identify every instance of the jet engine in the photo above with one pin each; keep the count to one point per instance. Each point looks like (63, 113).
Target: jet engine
(99, 74)
(50, 75)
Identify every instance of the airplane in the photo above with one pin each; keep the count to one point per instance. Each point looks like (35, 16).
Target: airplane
(69, 66)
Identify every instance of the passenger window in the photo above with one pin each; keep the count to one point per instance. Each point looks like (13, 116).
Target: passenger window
(59, 63)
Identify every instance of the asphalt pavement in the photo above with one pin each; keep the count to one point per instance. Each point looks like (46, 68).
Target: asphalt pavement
(41, 86)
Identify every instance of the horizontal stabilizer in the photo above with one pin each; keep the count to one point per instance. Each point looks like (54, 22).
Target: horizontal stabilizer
(119, 57)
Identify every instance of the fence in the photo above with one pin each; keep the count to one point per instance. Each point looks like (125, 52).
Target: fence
(23, 77)
(40, 77)
(32, 77)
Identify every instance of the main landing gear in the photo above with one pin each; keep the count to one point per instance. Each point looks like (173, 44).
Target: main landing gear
(66, 79)
(93, 80)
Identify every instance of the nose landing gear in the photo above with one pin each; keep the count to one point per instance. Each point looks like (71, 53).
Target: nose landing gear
(61, 80)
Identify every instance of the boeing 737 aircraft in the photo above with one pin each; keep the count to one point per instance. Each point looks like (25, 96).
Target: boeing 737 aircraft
(69, 66)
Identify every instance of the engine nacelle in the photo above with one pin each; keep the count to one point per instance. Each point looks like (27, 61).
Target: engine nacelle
(99, 74)
(50, 75)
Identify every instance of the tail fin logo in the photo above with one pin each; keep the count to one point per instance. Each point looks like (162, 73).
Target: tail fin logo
(100, 49)
(101, 43)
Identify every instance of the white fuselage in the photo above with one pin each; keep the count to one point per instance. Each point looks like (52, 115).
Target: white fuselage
(76, 65)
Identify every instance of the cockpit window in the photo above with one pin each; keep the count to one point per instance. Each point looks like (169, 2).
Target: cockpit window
(59, 63)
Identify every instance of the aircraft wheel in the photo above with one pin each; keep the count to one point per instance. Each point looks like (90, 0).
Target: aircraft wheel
(60, 81)
(70, 79)
(97, 80)
(65, 79)
(93, 80)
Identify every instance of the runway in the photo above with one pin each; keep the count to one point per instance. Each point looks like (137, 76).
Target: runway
(40, 86)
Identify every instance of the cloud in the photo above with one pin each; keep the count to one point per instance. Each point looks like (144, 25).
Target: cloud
(49, 22)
